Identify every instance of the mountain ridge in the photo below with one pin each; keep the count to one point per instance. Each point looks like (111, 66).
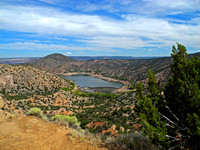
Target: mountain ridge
(122, 69)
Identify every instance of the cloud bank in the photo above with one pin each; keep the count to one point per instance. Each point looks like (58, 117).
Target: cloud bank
(120, 24)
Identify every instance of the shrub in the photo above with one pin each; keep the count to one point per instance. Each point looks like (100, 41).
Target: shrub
(131, 141)
(38, 113)
(67, 89)
(35, 111)
(70, 121)
(85, 134)
(96, 95)
(44, 117)
(70, 88)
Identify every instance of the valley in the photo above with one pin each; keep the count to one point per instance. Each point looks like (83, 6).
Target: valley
(24, 87)
(120, 69)
(106, 111)
(99, 75)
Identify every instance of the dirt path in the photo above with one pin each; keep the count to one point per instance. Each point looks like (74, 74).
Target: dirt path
(31, 133)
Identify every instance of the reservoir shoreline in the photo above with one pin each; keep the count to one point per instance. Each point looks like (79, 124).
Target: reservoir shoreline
(122, 89)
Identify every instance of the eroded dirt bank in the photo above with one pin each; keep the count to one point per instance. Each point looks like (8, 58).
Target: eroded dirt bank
(31, 133)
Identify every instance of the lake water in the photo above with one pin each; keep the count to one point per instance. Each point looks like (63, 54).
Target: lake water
(89, 81)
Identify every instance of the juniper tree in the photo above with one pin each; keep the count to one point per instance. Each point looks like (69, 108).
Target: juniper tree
(182, 94)
(147, 108)
(174, 114)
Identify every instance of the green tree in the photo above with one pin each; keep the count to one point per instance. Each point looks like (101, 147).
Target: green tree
(175, 113)
(182, 94)
(150, 119)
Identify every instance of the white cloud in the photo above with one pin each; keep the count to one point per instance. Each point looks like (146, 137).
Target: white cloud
(97, 32)
(173, 4)
(148, 7)
(53, 47)
(114, 42)
(68, 53)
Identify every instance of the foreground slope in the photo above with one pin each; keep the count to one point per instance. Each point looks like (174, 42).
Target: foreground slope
(28, 132)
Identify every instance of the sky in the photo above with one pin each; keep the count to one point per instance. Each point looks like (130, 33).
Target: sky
(36, 28)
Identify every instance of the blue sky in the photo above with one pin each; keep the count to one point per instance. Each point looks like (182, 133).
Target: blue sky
(35, 28)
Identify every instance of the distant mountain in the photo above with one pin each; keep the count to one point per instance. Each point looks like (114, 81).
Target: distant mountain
(16, 60)
(52, 62)
(84, 58)
(123, 69)
(194, 55)
(130, 69)
(24, 60)
(57, 58)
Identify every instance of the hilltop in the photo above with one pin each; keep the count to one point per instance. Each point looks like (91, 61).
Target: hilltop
(54, 62)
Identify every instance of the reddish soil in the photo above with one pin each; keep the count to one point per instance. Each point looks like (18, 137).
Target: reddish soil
(31, 133)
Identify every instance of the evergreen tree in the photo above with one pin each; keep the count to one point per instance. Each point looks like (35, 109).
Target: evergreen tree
(175, 113)
(182, 94)
(152, 124)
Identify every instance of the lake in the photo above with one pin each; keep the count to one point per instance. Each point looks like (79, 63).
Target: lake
(89, 81)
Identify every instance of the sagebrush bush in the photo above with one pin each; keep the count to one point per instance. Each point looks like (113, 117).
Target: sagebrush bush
(38, 113)
(131, 141)
(70, 121)
(35, 111)
(44, 117)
